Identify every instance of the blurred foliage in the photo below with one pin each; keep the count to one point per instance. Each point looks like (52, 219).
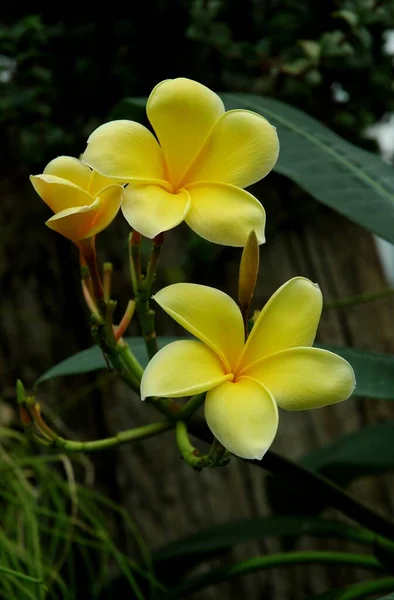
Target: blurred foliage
(60, 78)
(60, 532)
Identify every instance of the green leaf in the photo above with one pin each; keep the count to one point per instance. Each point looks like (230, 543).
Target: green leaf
(356, 183)
(129, 108)
(352, 181)
(225, 536)
(364, 453)
(92, 359)
(369, 451)
(374, 371)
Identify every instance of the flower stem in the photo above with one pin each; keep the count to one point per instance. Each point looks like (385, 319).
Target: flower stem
(107, 278)
(123, 437)
(360, 299)
(189, 453)
(142, 288)
(213, 577)
(191, 407)
(88, 251)
(157, 245)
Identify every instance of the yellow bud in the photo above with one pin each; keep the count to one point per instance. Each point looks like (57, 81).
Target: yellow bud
(248, 271)
(84, 202)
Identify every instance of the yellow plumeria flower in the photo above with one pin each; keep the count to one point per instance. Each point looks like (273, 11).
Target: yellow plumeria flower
(195, 170)
(246, 381)
(84, 202)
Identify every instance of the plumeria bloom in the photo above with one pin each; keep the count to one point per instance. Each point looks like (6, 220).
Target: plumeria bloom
(247, 381)
(196, 167)
(84, 202)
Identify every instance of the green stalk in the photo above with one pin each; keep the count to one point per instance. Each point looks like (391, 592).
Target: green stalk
(130, 435)
(189, 453)
(289, 559)
(142, 288)
(360, 299)
(191, 407)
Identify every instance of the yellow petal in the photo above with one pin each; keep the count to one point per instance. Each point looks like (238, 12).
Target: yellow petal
(243, 417)
(60, 194)
(182, 368)
(70, 168)
(125, 151)
(224, 214)
(182, 113)
(241, 149)
(207, 313)
(150, 209)
(302, 378)
(77, 172)
(289, 319)
(78, 223)
(98, 182)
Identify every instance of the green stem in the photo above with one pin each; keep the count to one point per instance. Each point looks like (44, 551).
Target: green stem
(257, 563)
(135, 259)
(146, 318)
(157, 245)
(111, 352)
(300, 476)
(189, 453)
(88, 251)
(141, 289)
(191, 407)
(123, 437)
(360, 299)
(218, 454)
(130, 360)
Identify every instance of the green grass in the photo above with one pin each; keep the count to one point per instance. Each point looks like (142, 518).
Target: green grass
(52, 529)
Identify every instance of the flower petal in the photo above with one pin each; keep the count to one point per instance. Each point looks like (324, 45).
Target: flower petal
(241, 149)
(182, 368)
(150, 209)
(289, 319)
(60, 194)
(207, 313)
(224, 214)
(70, 168)
(182, 113)
(301, 378)
(243, 416)
(125, 151)
(78, 223)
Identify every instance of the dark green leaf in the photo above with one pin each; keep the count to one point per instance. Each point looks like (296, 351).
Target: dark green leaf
(129, 108)
(226, 535)
(352, 181)
(374, 371)
(356, 183)
(92, 359)
(369, 451)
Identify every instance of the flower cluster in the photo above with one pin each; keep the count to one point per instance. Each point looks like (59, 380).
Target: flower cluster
(194, 168)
